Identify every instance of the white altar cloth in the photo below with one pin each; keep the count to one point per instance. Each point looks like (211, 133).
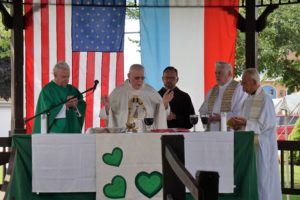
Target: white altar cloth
(67, 162)
(63, 163)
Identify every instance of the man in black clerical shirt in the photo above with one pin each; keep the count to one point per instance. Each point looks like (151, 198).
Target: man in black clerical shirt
(180, 102)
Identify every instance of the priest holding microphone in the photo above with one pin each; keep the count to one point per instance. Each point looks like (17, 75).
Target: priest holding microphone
(64, 118)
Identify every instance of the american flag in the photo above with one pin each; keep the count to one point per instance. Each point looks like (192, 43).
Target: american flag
(87, 34)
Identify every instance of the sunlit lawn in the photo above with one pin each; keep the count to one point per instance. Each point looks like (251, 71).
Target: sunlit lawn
(292, 197)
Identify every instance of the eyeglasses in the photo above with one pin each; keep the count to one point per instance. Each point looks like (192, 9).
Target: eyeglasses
(139, 78)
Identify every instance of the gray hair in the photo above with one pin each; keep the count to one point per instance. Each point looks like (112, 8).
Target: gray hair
(61, 65)
(225, 65)
(136, 67)
(253, 73)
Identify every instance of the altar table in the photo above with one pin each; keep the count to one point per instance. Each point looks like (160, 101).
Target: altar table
(244, 172)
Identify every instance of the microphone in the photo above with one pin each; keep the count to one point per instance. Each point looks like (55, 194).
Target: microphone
(76, 110)
(96, 82)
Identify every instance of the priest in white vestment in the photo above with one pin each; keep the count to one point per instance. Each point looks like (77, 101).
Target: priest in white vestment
(258, 115)
(134, 100)
(227, 96)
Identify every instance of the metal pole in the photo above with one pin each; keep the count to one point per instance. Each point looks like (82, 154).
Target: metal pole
(17, 40)
(286, 154)
(251, 49)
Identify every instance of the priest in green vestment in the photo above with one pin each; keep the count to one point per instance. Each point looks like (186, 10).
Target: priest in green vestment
(64, 118)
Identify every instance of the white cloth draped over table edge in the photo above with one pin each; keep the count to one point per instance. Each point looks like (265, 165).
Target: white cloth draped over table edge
(60, 162)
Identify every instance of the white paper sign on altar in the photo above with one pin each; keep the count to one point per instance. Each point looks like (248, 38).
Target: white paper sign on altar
(63, 163)
(129, 166)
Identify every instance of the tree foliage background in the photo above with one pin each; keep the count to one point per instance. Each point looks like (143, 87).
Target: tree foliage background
(278, 47)
(5, 69)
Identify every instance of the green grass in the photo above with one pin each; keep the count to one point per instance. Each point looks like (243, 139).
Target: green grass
(297, 184)
(292, 197)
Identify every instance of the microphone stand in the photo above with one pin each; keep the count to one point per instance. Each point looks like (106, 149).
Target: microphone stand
(47, 111)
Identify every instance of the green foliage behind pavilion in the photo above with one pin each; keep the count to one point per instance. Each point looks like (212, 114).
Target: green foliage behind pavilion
(5, 69)
(278, 47)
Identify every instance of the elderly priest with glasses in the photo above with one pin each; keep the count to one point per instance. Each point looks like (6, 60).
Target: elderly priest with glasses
(130, 103)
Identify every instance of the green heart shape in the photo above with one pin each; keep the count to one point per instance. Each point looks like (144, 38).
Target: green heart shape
(114, 158)
(117, 188)
(149, 184)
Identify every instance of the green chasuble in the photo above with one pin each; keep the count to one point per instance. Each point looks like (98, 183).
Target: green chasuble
(52, 95)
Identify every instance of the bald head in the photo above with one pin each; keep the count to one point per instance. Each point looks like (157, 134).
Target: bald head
(136, 76)
(136, 67)
(250, 80)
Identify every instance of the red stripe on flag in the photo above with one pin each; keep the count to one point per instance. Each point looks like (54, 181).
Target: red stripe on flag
(105, 73)
(120, 68)
(219, 39)
(104, 78)
(99, 66)
(29, 67)
(45, 41)
(60, 30)
(31, 76)
(90, 74)
(75, 69)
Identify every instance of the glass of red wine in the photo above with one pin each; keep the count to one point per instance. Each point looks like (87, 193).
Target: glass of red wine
(204, 120)
(148, 122)
(194, 121)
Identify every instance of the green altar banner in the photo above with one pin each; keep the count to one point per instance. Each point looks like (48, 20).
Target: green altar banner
(244, 173)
